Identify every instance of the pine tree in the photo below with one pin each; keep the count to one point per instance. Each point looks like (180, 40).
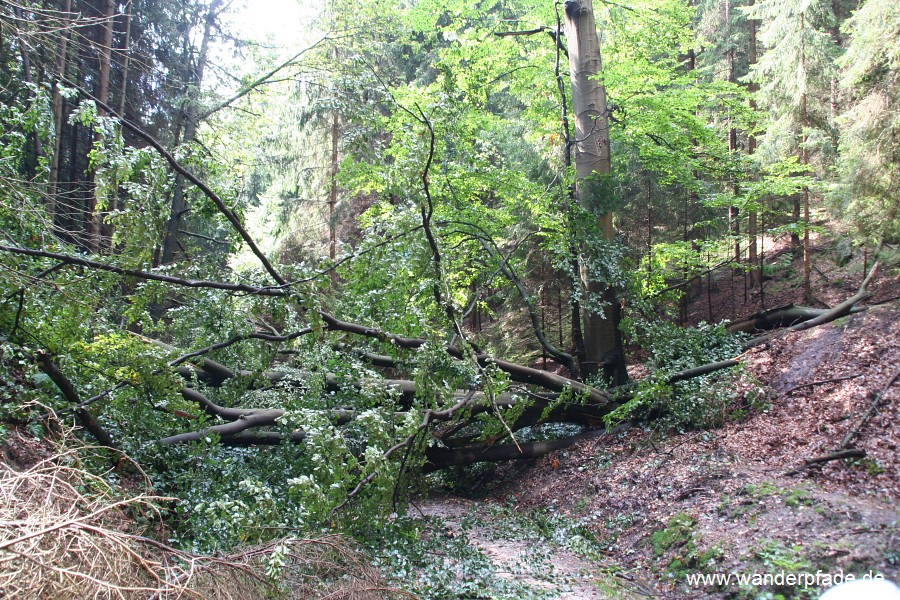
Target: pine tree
(794, 75)
(869, 194)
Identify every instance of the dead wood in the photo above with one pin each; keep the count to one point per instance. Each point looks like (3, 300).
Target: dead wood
(441, 458)
(832, 314)
(841, 309)
(822, 382)
(820, 460)
(853, 433)
(778, 317)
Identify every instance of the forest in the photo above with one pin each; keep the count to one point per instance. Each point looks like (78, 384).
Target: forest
(274, 301)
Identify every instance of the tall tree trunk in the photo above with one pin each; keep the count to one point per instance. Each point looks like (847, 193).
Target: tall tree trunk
(804, 159)
(27, 77)
(333, 193)
(94, 216)
(734, 223)
(188, 117)
(106, 53)
(755, 271)
(58, 110)
(795, 214)
(126, 60)
(649, 224)
(107, 229)
(603, 342)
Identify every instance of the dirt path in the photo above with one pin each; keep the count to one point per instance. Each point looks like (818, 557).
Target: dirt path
(534, 555)
(720, 501)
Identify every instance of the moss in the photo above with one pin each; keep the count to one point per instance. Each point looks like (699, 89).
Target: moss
(793, 497)
(797, 497)
(761, 490)
(678, 532)
(870, 466)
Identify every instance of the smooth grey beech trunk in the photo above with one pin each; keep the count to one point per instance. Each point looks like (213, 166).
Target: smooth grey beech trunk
(602, 340)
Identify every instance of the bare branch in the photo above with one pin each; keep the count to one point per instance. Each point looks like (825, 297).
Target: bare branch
(178, 168)
(490, 246)
(848, 439)
(265, 78)
(193, 283)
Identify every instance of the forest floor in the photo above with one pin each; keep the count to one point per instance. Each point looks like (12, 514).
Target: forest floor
(663, 506)
(632, 513)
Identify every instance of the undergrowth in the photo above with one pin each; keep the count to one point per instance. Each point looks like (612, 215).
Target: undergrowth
(433, 558)
(697, 403)
(68, 533)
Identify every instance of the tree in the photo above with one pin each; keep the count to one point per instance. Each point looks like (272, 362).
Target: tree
(94, 212)
(602, 339)
(752, 253)
(795, 74)
(870, 143)
(192, 70)
(344, 387)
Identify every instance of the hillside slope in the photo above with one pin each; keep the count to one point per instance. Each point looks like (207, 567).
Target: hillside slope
(722, 501)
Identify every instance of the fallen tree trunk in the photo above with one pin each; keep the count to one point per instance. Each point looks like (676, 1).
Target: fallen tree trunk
(441, 458)
(85, 418)
(841, 309)
(240, 420)
(821, 460)
(215, 374)
(776, 318)
(832, 314)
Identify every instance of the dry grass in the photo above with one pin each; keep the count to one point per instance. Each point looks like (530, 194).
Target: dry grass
(65, 533)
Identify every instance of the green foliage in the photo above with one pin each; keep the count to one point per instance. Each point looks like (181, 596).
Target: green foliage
(22, 117)
(678, 532)
(867, 193)
(795, 74)
(680, 539)
(672, 348)
(435, 559)
(358, 122)
(19, 380)
(695, 403)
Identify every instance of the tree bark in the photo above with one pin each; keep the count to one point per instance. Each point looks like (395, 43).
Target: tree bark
(188, 118)
(602, 339)
(804, 159)
(58, 109)
(95, 216)
(755, 270)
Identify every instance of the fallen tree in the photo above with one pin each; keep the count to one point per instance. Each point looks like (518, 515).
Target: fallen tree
(451, 414)
(804, 318)
(778, 317)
